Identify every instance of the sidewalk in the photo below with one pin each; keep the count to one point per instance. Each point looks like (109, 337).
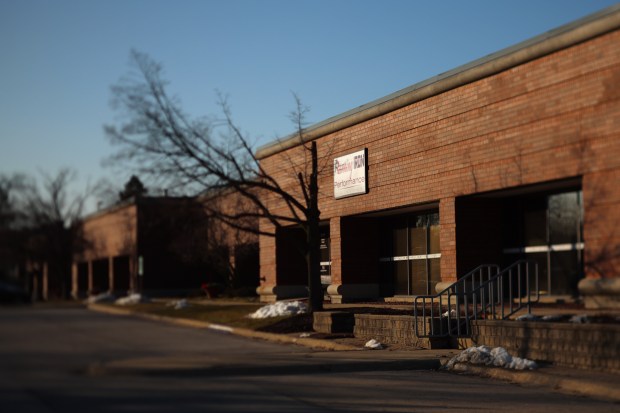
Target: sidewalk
(332, 356)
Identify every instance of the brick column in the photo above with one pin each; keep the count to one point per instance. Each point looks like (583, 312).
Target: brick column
(111, 274)
(90, 276)
(45, 282)
(75, 287)
(447, 240)
(335, 243)
(133, 273)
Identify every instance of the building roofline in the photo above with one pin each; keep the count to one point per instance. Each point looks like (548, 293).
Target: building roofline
(133, 201)
(578, 31)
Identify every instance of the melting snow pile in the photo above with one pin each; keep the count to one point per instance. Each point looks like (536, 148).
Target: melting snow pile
(374, 344)
(497, 357)
(178, 304)
(131, 299)
(281, 308)
(579, 319)
(552, 317)
(527, 317)
(100, 298)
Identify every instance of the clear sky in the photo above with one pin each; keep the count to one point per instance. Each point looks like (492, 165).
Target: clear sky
(58, 59)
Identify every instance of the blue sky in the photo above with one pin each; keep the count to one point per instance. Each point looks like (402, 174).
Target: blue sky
(59, 59)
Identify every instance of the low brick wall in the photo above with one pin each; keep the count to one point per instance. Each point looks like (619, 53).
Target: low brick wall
(331, 322)
(587, 346)
(388, 329)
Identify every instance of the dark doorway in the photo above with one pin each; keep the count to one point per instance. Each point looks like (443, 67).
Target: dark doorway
(290, 256)
(121, 274)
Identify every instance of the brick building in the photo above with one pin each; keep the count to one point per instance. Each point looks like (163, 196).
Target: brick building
(515, 155)
(159, 246)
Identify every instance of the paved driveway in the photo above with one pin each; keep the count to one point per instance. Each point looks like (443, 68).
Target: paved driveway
(72, 360)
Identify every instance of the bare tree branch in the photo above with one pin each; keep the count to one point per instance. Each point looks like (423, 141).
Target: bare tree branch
(213, 157)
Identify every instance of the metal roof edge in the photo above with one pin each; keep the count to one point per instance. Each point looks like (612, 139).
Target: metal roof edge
(560, 38)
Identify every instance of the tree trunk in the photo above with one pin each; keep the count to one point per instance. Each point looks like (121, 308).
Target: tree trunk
(315, 301)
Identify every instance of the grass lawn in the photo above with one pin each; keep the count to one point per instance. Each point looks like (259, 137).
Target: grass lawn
(230, 314)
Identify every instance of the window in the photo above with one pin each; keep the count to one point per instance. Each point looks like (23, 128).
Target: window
(410, 254)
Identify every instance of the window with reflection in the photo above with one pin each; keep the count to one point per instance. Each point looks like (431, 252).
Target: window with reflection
(410, 254)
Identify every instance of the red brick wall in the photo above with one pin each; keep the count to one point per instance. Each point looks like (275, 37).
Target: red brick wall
(551, 118)
(111, 233)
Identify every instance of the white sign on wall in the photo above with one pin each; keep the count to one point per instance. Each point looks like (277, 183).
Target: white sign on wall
(350, 174)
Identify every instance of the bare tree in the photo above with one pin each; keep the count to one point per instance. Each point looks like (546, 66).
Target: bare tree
(45, 223)
(11, 219)
(208, 155)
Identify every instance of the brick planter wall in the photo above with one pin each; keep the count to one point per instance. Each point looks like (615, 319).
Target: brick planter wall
(588, 346)
(333, 322)
(388, 329)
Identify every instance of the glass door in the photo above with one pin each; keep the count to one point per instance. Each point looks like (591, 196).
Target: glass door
(410, 254)
(547, 228)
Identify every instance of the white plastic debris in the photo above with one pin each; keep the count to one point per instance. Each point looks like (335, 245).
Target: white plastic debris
(527, 317)
(497, 357)
(279, 309)
(579, 319)
(178, 304)
(374, 344)
(131, 299)
(304, 335)
(100, 298)
(451, 313)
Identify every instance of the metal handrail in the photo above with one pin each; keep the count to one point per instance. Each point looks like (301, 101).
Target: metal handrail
(441, 300)
(467, 300)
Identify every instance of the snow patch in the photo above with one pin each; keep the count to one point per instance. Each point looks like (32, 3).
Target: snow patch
(580, 319)
(374, 344)
(497, 357)
(527, 317)
(279, 309)
(131, 299)
(553, 317)
(451, 313)
(220, 327)
(100, 298)
(178, 304)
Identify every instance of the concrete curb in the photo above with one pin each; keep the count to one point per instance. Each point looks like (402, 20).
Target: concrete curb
(585, 387)
(244, 332)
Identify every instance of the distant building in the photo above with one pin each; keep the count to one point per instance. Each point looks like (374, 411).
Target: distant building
(161, 246)
(515, 155)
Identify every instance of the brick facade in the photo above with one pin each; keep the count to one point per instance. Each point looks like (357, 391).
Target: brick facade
(552, 118)
(164, 245)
